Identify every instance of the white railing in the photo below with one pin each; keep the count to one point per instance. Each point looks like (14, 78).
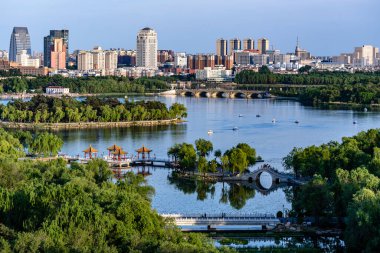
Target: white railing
(221, 216)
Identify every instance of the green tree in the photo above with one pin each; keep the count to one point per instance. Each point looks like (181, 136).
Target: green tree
(203, 147)
(249, 151)
(187, 157)
(237, 160)
(202, 165)
(46, 144)
(362, 233)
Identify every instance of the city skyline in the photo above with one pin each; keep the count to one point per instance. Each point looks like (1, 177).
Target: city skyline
(325, 33)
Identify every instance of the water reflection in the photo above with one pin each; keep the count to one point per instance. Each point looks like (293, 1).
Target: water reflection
(234, 194)
(325, 244)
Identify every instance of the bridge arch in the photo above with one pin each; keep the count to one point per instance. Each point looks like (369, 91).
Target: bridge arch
(239, 95)
(221, 94)
(204, 94)
(188, 94)
(277, 177)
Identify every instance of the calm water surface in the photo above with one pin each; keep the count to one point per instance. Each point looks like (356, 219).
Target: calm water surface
(272, 141)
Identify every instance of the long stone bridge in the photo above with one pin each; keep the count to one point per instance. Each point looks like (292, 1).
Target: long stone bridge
(219, 93)
(210, 220)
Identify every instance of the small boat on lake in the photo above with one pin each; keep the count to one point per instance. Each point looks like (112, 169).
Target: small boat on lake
(235, 128)
(273, 120)
(210, 132)
(297, 122)
(240, 115)
(258, 115)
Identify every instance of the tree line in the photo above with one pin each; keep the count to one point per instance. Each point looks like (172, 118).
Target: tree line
(347, 93)
(357, 88)
(194, 158)
(344, 184)
(264, 76)
(49, 207)
(43, 109)
(107, 84)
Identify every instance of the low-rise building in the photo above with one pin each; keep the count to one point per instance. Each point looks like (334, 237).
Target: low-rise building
(25, 60)
(32, 71)
(4, 65)
(59, 90)
(218, 74)
(180, 60)
(4, 55)
(261, 59)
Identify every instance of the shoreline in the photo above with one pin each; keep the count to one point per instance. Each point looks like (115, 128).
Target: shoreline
(14, 96)
(87, 125)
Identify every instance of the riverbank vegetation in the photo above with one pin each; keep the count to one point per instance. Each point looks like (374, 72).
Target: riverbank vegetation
(40, 143)
(49, 207)
(319, 87)
(192, 158)
(97, 85)
(347, 94)
(42, 109)
(265, 76)
(344, 185)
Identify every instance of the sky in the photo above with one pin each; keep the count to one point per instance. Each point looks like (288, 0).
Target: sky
(324, 27)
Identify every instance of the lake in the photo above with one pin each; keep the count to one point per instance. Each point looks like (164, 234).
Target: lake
(272, 142)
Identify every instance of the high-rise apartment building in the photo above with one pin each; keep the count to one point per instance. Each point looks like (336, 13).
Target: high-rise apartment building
(58, 54)
(200, 61)
(263, 45)
(49, 44)
(111, 60)
(85, 61)
(221, 47)
(147, 48)
(235, 44)
(365, 56)
(244, 57)
(248, 44)
(126, 58)
(97, 59)
(20, 40)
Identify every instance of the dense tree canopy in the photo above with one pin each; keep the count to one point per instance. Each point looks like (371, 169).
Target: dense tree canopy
(43, 109)
(344, 183)
(85, 84)
(235, 160)
(347, 93)
(313, 78)
(332, 87)
(49, 207)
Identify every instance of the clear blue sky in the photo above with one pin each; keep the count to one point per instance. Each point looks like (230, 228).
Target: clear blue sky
(325, 27)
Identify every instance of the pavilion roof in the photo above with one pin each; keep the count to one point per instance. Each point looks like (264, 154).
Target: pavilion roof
(143, 149)
(90, 149)
(114, 147)
(119, 152)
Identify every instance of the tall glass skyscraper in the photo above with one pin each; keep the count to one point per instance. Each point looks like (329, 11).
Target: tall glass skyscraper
(20, 40)
(49, 44)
